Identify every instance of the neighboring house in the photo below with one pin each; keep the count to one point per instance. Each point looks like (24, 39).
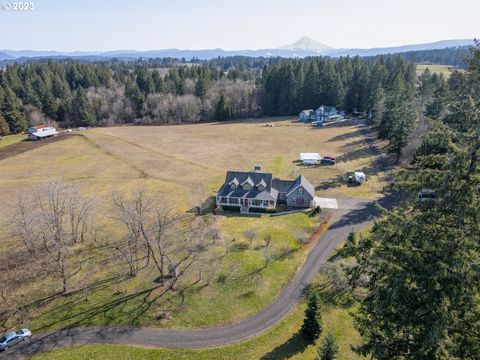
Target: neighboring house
(258, 191)
(323, 113)
(41, 132)
(307, 115)
(327, 113)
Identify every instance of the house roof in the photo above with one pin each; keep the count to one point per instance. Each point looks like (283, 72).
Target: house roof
(302, 181)
(244, 177)
(306, 111)
(282, 186)
(272, 186)
(326, 109)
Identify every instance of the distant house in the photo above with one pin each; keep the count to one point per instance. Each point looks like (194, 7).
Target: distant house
(307, 115)
(258, 191)
(323, 113)
(327, 113)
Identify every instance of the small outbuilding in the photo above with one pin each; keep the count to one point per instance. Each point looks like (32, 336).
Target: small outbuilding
(310, 158)
(41, 132)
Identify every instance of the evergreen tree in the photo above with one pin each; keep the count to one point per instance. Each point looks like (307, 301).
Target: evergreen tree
(329, 349)
(82, 110)
(4, 129)
(438, 106)
(12, 113)
(420, 265)
(399, 117)
(201, 87)
(158, 82)
(312, 323)
(222, 111)
(133, 92)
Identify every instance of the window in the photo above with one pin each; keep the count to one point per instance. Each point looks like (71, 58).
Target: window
(247, 187)
(233, 186)
(261, 188)
(305, 201)
(281, 195)
(300, 191)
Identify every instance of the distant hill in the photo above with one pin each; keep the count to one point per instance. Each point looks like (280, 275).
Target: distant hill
(303, 47)
(4, 56)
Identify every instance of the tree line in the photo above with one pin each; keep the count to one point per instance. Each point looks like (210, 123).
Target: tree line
(418, 269)
(74, 93)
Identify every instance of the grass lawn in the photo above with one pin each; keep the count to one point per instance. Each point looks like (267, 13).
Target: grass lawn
(12, 139)
(283, 341)
(180, 166)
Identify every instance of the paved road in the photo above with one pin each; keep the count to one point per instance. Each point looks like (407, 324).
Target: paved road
(352, 215)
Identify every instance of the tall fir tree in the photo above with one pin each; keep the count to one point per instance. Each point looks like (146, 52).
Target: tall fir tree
(312, 322)
(12, 111)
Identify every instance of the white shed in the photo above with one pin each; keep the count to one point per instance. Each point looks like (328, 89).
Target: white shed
(360, 177)
(310, 158)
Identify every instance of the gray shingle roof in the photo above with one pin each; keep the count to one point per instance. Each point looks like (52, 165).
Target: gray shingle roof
(282, 186)
(301, 180)
(242, 176)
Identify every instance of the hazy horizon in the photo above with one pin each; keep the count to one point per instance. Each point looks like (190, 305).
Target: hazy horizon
(56, 25)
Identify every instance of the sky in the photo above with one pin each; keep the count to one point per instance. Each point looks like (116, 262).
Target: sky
(102, 25)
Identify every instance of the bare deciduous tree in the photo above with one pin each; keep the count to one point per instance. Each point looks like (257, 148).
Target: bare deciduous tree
(49, 223)
(156, 234)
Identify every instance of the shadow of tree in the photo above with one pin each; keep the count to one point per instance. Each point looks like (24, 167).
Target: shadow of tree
(295, 345)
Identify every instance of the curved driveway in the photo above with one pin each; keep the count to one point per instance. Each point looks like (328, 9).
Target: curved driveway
(353, 214)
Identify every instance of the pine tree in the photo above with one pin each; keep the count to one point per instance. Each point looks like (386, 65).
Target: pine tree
(329, 349)
(12, 113)
(420, 264)
(201, 87)
(133, 92)
(312, 323)
(399, 117)
(222, 111)
(4, 129)
(82, 110)
(438, 106)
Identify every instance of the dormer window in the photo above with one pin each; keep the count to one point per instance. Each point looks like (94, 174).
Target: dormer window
(247, 187)
(233, 184)
(261, 185)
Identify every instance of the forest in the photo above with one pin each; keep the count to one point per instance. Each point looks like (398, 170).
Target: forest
(72, 93)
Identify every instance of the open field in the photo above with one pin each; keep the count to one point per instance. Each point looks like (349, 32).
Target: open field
(445, 70)
(11, 139)
(181, 166)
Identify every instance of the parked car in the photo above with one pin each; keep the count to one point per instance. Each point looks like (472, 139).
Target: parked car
(13, 338)
(326, 161)
(329, 158)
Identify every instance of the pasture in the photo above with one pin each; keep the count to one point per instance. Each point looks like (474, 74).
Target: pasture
(445, 70)
(180, 167)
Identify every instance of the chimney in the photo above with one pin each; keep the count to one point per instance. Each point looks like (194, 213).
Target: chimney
(257, 168)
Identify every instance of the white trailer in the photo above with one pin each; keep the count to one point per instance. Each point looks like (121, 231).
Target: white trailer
(41, 132)
(310, 158)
